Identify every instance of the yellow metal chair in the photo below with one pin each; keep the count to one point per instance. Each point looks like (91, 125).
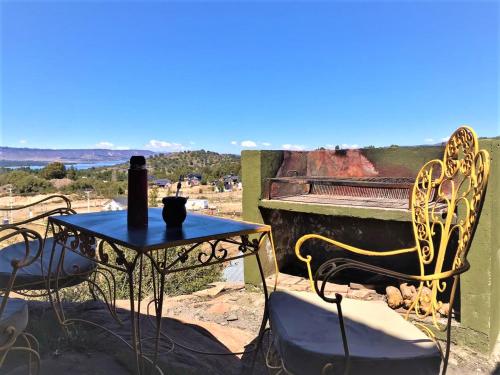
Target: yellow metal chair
(349, 336)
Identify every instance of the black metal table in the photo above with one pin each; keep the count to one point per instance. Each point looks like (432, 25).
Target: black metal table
(105, 238)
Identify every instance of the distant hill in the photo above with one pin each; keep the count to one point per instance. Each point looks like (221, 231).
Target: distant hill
(211, 165)
(8, 155)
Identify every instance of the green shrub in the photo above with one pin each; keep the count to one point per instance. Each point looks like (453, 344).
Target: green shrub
(53, 170)
(25, 183)
(183, 282)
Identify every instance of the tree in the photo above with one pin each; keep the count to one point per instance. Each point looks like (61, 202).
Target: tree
(54, 170)
(71, 174)
(153, 197)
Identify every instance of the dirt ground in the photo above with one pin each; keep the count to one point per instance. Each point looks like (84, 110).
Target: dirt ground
(227, 316)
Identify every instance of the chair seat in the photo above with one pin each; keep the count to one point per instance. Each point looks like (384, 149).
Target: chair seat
(76, 268)
(307, 334)
(15, 315)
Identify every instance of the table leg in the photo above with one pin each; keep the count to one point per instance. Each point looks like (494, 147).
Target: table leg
(136, 270)
(158, 281)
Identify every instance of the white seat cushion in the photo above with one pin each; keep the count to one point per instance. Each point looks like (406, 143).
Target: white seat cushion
(33, 277)
(380, 341)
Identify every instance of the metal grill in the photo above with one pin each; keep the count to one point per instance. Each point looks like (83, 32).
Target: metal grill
(383, 192)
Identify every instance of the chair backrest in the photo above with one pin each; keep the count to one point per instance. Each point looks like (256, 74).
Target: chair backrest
(56, 205)
(444, 224)
(19, 230)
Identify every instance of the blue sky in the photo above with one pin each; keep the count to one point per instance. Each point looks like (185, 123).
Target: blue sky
(226, 76)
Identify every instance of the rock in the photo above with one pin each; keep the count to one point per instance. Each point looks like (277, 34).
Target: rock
(336, 288)
(408, 291)
(287, 280)
(211, 292)
(444, 310)
(357, 286)
(452, 361)
(219, 308)
(364, 294)
(301, 286)
(394, 297)
(232, 317)
(227, 285)
(425, 300)
(407, 303)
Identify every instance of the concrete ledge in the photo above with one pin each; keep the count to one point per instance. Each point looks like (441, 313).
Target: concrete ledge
(349, 211)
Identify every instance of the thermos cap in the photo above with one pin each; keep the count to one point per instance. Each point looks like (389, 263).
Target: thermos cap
(137, 162)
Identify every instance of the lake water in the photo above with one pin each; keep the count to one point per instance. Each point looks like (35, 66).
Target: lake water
(76, 166)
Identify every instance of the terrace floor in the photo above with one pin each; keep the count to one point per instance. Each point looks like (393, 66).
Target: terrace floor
(222, 318)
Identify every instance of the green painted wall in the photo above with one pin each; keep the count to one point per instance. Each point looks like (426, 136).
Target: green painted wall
(480, 287)
(256, 167)
(494, 196)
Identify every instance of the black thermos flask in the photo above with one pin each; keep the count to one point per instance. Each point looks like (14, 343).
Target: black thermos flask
(137, 214)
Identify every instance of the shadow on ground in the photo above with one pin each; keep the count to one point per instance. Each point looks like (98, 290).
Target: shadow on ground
(85, 349)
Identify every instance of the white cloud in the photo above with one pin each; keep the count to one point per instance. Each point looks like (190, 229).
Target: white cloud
(445, 139)
(291, 147)
(343, 146)
(23, 141)
(266, 144)
(234, 143)
(248, 144)
(104, 144)
(156, 145)
(346, 146)
(192, 143)
(110, 146)
(429, 140)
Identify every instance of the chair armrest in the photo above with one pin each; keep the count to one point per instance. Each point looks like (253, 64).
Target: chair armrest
(307, 259)
(331, 267)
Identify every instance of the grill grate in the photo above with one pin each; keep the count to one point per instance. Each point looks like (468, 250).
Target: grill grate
(361, 192)
(384, 192)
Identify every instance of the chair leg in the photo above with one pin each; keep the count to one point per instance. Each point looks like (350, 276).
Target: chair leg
(277, 369)
(27, 337)
(33, 355)
(448, 325)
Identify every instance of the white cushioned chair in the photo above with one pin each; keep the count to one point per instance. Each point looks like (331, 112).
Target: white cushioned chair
(332, 334)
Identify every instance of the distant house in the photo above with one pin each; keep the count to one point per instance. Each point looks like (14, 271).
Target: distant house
(115, 204)
(161, 183)
(195, 181)
(228, 186)
(231, 179)
(193, 175)
(197, 204)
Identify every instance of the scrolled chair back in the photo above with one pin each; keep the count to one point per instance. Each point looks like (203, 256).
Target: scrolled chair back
(60, 205)
(446, 204)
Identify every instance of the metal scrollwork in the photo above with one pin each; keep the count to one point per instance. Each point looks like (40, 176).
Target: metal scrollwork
(217, 254)
(183, 255)
(243, 247)
(459, 184)
(87, 245)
